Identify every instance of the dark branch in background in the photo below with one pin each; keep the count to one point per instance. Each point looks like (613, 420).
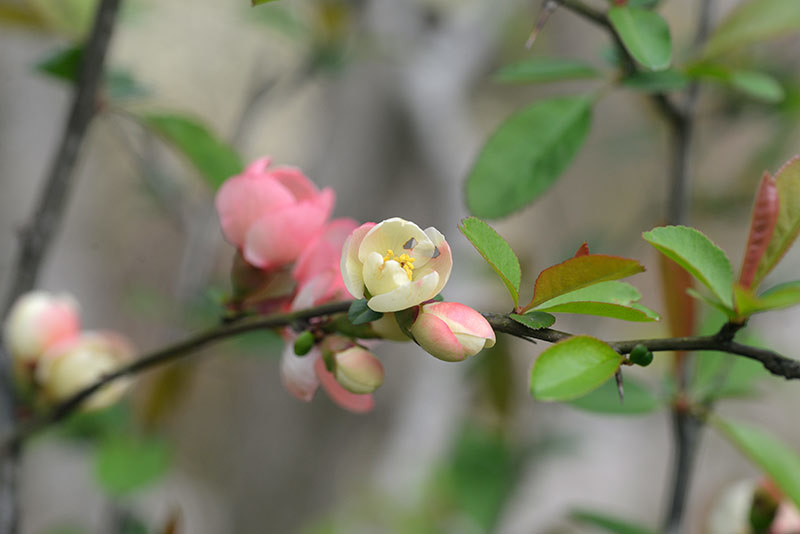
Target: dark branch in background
(37, 235)
(721, 341)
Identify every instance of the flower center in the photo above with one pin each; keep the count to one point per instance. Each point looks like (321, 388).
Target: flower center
(405, 261)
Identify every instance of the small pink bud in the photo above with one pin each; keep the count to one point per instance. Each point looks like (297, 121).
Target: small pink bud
(79, 362)
(451, 331)
(38, 321)
(358, 370)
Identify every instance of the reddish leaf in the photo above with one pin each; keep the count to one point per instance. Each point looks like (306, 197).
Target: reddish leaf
(583, 250)
(762, 226)
(675, 280)
(579, 272)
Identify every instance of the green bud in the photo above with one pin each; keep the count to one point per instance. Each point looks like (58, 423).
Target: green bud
(640, 355)
(304, 343)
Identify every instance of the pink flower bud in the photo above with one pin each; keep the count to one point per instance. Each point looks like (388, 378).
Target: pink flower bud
(358, 370)
(271, 214)
(451, 331)
(38, 321)
(79, 362)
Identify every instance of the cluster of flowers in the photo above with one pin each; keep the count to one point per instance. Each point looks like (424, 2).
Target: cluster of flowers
(290, 257)
(53, 358)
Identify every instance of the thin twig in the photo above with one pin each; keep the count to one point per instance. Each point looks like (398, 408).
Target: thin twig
(38, 234)
(721, 341)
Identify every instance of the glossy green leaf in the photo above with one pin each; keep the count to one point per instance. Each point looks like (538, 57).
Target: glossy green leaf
(526, 155)
(662, 81)
(605, 299)
(712, 301)
(534, 319)
(639, 399)
(787, 181)
(572, 368)
(360, 313)
(609, 523)
(496, 251)
(783, 296)
(693, 251)
(771, 455)
(214, 159)
(751, 22)
(579, 272)
(543, 69)
(645, 35)
(124, 464)
(259, 2)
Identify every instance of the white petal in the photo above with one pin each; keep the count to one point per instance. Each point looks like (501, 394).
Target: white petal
(406, 296)
(383, 277)
(391, 234)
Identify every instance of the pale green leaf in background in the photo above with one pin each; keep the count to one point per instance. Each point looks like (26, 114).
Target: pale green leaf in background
(645, 35)
(662, 81)
(124, 464)
(775, 458)
(609, 523)
(526, 155)
(544, 69)
(639, 400)
(753, 21)
(214, 159)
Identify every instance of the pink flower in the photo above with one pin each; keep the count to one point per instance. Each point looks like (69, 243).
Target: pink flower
(451, 331)
(396, 263)
(272, 214)
(76, 363)
(317, 269)
(302, 376)
(38, 321)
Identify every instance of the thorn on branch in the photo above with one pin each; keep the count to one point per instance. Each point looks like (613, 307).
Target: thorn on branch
(546, 10)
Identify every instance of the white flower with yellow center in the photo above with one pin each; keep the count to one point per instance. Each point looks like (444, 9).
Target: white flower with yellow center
(395, 264)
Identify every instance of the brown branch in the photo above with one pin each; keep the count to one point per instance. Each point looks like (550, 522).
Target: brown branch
(774, 362)
(37, 235)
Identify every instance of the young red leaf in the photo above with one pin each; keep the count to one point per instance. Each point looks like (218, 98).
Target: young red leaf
(681, 307)
(579, 272)
(787, 182)
(762, 226)
(583, 250)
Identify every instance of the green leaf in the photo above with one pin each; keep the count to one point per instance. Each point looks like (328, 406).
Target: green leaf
(526, 155)
(124, 464)
(775, 458)
(693, 251)
(360, 313)
(605, 299)
(757, 85)
(572, 368)
(787, 180)
(579, 272)
(214, 160)
(543, 69)
(719, 375)
(608, 522)
(645, 35)
(496, 251)
(259, 2)
(783, 296)
(713, 302)
(534, 319)
(662, 81)
(605, 399)
(73, 18)
(751, 22)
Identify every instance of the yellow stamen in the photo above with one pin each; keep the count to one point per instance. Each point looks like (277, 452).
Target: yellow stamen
(405, 261)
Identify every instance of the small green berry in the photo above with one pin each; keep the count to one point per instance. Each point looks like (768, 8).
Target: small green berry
(304, 343)
(640, 355)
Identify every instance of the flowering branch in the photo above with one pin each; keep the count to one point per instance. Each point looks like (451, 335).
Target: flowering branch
(722, 341)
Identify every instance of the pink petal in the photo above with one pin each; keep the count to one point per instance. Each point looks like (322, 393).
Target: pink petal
(349, 401)
(468, 321)
(435, 336)
(279, 237)
(324, 252)
(244, 199)
(258, 166)
(295, 181)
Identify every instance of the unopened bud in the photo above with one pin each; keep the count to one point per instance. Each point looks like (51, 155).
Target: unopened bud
(37, 321)
(451, 331)
(358, 370)
(69, 367)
